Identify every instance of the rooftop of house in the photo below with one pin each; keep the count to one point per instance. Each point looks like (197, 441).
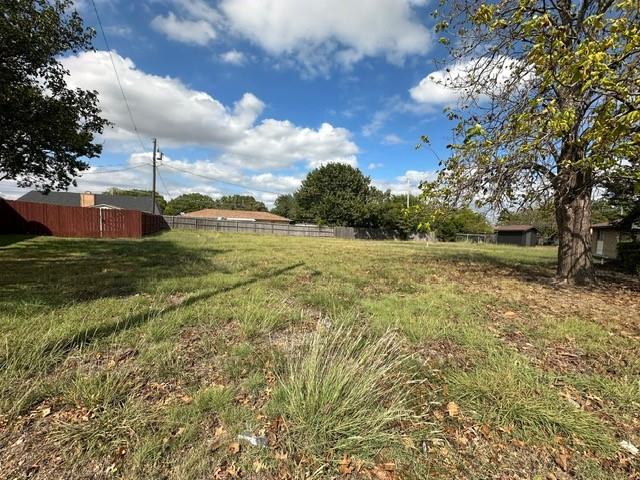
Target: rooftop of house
(73, 199)
(617, 225)
(514, 228)
(238, 214)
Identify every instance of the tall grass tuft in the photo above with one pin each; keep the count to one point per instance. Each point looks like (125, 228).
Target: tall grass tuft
(343, 392)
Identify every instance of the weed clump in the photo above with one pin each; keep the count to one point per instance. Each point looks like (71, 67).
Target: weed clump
(343, 392)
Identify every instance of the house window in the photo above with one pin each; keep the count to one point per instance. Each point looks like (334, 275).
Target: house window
(600, 234)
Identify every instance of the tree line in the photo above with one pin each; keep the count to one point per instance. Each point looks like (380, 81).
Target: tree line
(341, 195)
(191, 202)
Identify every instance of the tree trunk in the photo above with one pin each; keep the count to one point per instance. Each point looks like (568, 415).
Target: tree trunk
(573, 215)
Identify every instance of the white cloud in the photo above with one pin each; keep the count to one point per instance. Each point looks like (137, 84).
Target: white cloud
(234, 57)
(123, 31)
(178, 176)
(377, 121)
(350, 30)
(448, 86)
(165, 108)
(373, 166)
(318, 34)
(194, 32)
(410, 181)
(392, 139)
(276, 144)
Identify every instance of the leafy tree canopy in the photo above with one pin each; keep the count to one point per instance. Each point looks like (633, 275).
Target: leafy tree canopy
(240, 202)
(285, 206)
(134, 192)
(550, 108)
(189, 202)
(335, 194)
(45, 127)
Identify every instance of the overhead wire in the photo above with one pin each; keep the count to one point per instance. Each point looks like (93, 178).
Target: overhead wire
(135, 127)
(115, 70)
(213, 179)
(164, 185)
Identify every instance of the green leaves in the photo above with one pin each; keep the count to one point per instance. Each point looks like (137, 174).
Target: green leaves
(45, 127)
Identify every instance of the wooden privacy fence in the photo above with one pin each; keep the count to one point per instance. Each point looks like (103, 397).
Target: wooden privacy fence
(67, 221)
(249, 227)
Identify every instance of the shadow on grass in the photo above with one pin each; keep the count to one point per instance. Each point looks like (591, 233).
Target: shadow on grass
(7, 240)
(86, 337)
(56, 271)
(531, 268)
(485, 262)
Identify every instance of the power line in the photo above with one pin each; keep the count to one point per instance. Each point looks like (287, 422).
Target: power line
(115, 70)
(164, 185)
(213, 179)
(112, 171)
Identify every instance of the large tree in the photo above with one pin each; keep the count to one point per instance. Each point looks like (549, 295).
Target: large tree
(46, 128)
(240, 202)
(550, 97)
(189, 202)
(285, 206)
(335, 194)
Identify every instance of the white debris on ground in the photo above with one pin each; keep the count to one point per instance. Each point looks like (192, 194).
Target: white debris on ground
(629, 447)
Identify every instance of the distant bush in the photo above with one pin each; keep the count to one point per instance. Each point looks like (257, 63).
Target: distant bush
(629, 256)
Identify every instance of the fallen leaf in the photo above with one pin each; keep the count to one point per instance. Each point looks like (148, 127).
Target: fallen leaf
(281, 455)
(389, 466)
(453, 409)
(233, 471)
(258, 466)
(510, 314)
(562, 459)
(219, 431)
(233, 448)
(46, 412)
(345, 467)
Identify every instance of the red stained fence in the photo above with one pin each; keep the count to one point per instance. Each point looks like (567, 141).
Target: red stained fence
(63, 221)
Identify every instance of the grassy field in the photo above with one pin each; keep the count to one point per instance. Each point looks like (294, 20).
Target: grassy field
(384, 360)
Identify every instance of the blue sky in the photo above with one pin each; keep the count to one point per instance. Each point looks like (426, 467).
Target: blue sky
(258, 92)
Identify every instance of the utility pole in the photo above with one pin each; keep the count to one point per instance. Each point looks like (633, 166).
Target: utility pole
(153, 192)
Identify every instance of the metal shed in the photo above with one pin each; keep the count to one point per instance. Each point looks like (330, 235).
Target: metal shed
(522, 235)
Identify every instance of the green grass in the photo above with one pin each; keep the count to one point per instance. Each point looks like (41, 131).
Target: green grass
(506, 391)
(150, 356)
(343, 393)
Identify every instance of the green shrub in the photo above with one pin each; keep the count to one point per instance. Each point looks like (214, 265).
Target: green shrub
(629, 256)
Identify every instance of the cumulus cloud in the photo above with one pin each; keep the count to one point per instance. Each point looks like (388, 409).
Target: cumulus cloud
(234, 57)
(448, 86)
(194, 32)
(166, 108)
(410, 181)
(315, 35)
(212, 177)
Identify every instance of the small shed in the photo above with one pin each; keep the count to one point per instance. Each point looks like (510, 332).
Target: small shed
(605, 238)
(522, 235)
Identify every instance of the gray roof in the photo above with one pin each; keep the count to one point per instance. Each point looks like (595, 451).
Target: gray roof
(72, 199)
(514, 228)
